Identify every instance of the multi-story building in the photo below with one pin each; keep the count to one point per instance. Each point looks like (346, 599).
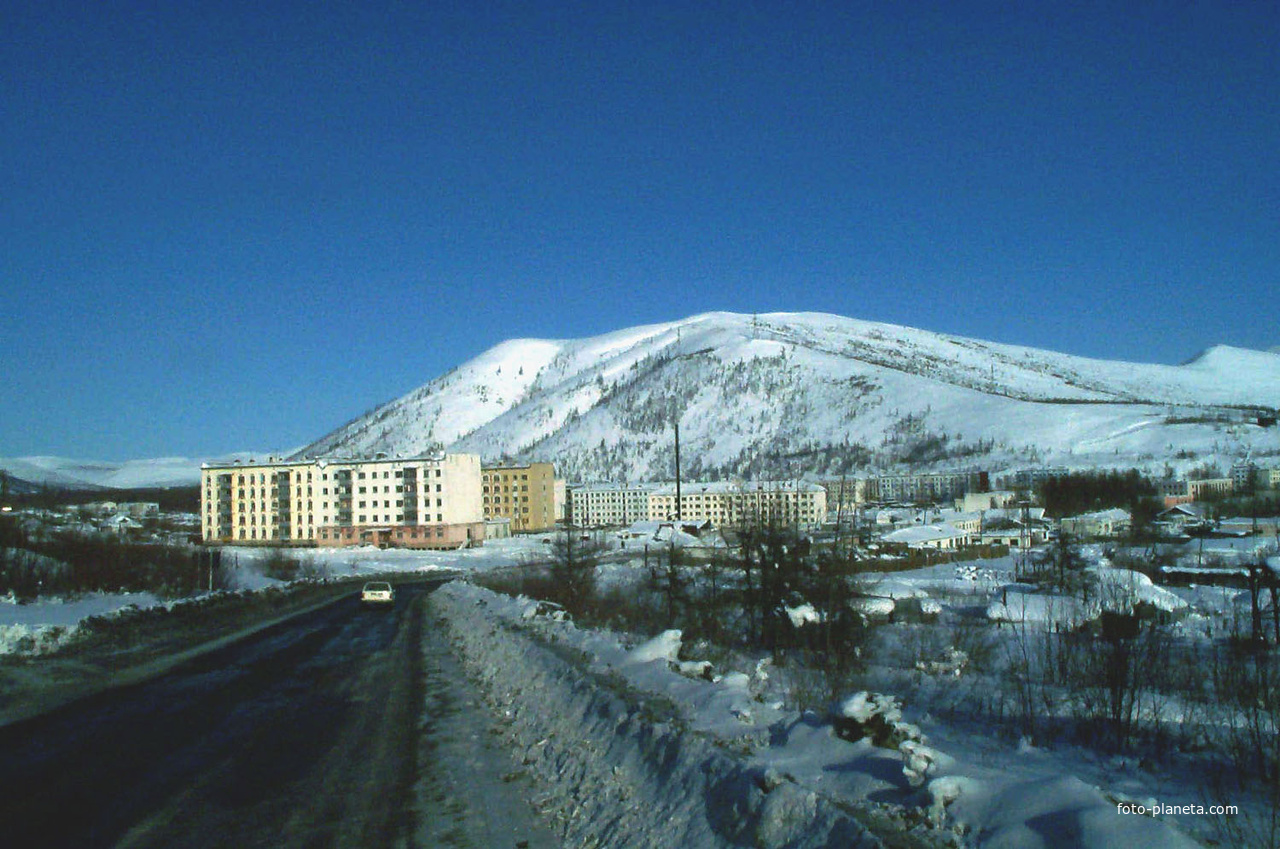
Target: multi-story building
(738, 503)
(1244, 476)
(420, 502)
(932, 487)
(524, 494)
(849, 492)
(1199, 490)
(605, 504)
(1031, 479)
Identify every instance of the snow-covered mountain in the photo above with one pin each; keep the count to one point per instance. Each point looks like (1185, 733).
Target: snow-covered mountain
(793, 393)
(66, 473)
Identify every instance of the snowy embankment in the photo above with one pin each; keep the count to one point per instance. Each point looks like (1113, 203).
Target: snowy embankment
(620, 766)
(45, 626)
(633, 746)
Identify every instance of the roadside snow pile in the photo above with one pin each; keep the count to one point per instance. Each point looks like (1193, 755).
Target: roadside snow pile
(46, 625)
(619, 765)
(629, 751)
(42, 639)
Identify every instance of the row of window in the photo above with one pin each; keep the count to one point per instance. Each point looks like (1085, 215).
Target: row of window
(242, 479)
(362, 518)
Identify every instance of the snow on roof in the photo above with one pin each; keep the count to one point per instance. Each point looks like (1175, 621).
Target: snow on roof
(609, 486)
(1114, 514)
(735, 487)
(923, 533)
(1196, 511)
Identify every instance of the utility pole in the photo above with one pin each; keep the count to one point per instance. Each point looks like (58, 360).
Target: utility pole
(679, 517)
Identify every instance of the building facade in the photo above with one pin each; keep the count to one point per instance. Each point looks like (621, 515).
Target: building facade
(931, 487)
(420, 502)
(731, 504)
(1199, 490)
(608, 504)
(524, 494)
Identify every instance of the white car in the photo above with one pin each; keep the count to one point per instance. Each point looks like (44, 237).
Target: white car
(377, 593)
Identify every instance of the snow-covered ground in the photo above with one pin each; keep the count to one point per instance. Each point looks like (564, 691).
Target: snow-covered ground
(937, 791)
(45, 625)
(723, 728)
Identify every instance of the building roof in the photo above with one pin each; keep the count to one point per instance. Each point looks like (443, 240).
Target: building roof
(923, 533)
(608, 486)
(1114, 514)
(738, 487)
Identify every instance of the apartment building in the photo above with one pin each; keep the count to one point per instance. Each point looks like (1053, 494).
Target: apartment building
(849, 492)
(736, 503)
(1031, 479)
(606, 504)
(931, 487)
(420, 502)
(524, 494)
(1199, 490)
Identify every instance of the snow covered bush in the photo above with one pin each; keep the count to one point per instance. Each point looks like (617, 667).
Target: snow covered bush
(878, 717)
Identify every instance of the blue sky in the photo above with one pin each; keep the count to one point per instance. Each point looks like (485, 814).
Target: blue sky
(234, 226)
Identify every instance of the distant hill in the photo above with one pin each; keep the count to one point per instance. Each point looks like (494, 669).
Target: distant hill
(64, 473)
(793, 393)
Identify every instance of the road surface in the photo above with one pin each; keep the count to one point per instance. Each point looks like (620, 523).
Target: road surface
(341, 727)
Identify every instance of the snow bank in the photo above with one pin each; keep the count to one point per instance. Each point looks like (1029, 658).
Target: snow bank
(46, 625)
(42, 639)
(1049, 812)
(1122, 589)
(1043, 611)
(619, 766)
(627, 751)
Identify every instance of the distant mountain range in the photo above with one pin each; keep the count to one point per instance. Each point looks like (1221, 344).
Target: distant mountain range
(790, 393)
(28, 474)
(787, 394)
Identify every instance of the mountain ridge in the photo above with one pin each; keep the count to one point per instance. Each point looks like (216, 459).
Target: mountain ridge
(850, 392)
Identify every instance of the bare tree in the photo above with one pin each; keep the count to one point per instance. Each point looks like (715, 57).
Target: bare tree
(574, 558)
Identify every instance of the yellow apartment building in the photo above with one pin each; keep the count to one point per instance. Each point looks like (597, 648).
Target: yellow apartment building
(420, 502)
(524, 494)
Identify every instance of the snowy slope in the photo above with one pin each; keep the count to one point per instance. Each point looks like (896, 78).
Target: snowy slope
(63, 472)
(795, 392)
